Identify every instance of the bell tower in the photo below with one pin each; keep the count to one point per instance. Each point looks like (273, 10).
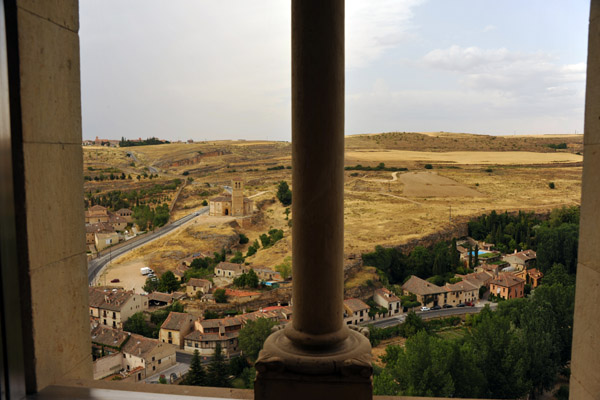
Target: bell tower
(237, 197)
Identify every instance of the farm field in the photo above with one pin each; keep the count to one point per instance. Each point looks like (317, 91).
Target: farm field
(381, 207)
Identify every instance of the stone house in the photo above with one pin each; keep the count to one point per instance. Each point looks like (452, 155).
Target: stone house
(387, 299)
(112, 307)
(355, 311)
(195, 285)
(92, 229)
(118, 223)
(479, 279)
(126, 214)
(508, 286)
(461, 292)
(144, 357)
(175, 328)
(532, 276)
(209, 332)
(106, 348)
(96, 214)
(230, 270)
(103, 240)
(427, 293)
(265, 274)
(521, 260)
(232, 204)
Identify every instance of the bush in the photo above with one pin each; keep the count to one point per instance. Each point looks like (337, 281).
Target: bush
(428, 166)
(243, 239)
(489, 170)
(551, 185)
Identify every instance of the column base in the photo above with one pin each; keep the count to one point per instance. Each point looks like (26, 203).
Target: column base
(286, 371)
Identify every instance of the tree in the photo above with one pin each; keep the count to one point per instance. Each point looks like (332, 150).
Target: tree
(253, 335)
(168, 282)
(284, 194)
(217, 369)
(243, 239)
(476, 256)
(137, 324)
(287, 213)
(220, 296)
(151, 284)
(285, 268)
(196, 375)
(252, 279)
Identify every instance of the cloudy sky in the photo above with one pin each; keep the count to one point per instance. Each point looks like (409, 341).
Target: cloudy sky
(206, 69)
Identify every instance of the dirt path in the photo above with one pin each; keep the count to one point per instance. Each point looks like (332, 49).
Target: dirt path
(394, 178)
(259, 193)
(430, 184)
(401, 198)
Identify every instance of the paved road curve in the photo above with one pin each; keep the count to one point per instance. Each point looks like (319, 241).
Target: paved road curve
(96, 265)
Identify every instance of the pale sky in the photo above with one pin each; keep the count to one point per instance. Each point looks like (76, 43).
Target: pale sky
(221, 69)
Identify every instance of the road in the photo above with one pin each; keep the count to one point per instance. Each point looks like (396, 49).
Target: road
(96, 265)
(444, 312)
(178, 369)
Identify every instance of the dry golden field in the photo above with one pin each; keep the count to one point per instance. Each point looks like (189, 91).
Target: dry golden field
(471, 175)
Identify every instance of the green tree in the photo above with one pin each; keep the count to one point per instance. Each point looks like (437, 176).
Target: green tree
(217, 375)
(220, 296)
(284, 194)
(253, 335)
(151, 284)
(252, 279)
(285, 268)
(243, 239)
(137, 324)
(168, 282)
(196, 376)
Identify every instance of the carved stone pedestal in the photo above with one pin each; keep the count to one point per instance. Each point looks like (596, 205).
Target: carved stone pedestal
(286, 371)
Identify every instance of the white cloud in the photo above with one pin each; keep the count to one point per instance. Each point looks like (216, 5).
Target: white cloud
(372, 27)
(489, 28)
(511, 73)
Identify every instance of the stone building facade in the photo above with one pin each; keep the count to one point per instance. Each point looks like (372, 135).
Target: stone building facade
(232, 204)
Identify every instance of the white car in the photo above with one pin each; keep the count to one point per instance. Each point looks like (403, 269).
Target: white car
(425, 308)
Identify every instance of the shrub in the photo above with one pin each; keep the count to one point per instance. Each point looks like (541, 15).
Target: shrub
(551, 185)
(428, 166)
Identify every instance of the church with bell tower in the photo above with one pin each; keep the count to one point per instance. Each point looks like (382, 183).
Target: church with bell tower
(232, 204)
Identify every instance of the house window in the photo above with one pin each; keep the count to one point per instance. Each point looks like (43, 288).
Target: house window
(169, 335)
(114, 315)
(159, 361)
(154, 368)
(124, 356)
(152, 358)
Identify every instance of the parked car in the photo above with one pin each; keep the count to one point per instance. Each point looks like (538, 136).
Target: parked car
(436, 308)
(447, 306)
(425, 308)
(470, 304)
(460, 305)
(115, 281)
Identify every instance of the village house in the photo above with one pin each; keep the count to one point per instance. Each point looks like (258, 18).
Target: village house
(265, 274)
(103, 240)
(232, 204)
(209, 332)
(159, 299)
(387, 299)
(461, 293)
(112, 307)
(479, 279)
(239, 296)
(521, 260)
(355, 311)
(117, 222)
(144, 357)
(92, 229)
(195, 285)
(106, 350)
(175, 328)
(493, 269)
(427, 293)
(507, 286)
(126, 214)
(96, 214)
(532, 276)
(230, 270)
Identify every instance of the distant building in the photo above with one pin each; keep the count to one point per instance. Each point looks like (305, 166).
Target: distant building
(462, 292)
(143, 357)
(387, 299)
(427, 293)
(195, 285)
(521, 260)
(230, 270)
(209, 332)
(355, 311)
(112, 307)
(96, 214)
(175, 328)
(508, 286)
(232, 204)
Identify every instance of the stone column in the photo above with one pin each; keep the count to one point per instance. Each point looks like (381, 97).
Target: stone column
(317, 356)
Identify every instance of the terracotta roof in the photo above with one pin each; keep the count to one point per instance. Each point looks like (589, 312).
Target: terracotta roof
(117, 219)
(99, 227)
(124, 210)
(97, 207)
(386, 294)
(507, 280)
(199, 282)
(160, 296)
(478, 278)
(178, 295)
(140, 346)
(462, 285)
(354, 305)
(108, 299)
(534, 273)
(523, 256)
(175, 321)
(216, 323)
(106, 336)
(419, 286)
(211, 337)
